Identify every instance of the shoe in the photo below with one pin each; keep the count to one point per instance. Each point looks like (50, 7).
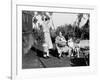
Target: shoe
(59, 57)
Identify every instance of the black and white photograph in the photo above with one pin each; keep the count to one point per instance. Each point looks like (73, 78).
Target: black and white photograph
(55, 39)
(50, 40)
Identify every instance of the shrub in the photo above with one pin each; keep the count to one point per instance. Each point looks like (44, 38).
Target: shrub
(39, 36)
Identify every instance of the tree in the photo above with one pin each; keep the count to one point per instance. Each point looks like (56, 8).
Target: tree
(79, 18)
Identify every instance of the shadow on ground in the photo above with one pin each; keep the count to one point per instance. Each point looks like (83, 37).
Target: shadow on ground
(34, 59)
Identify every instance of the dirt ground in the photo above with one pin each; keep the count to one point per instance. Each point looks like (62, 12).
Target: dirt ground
(33, 60)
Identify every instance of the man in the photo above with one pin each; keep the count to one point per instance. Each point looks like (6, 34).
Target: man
(61, 45)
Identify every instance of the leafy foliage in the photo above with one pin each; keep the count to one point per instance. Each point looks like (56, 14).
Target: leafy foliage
(74, 32)
(39, 36)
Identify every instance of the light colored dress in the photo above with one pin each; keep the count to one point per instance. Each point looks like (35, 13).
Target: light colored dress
(61, 45)
(47, 38)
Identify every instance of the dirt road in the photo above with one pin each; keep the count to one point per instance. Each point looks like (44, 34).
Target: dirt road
(31, 60)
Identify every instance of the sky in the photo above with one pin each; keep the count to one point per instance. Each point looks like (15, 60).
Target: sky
(63, 18)
(59, 19)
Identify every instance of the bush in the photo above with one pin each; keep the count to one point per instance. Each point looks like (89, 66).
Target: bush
(39, 36)
(70, 31)
(67, 31)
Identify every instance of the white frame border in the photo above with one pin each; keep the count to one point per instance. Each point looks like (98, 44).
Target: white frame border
(45, 72)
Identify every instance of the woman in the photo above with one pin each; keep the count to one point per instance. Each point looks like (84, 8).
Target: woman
(61, 45)
(47, 39)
